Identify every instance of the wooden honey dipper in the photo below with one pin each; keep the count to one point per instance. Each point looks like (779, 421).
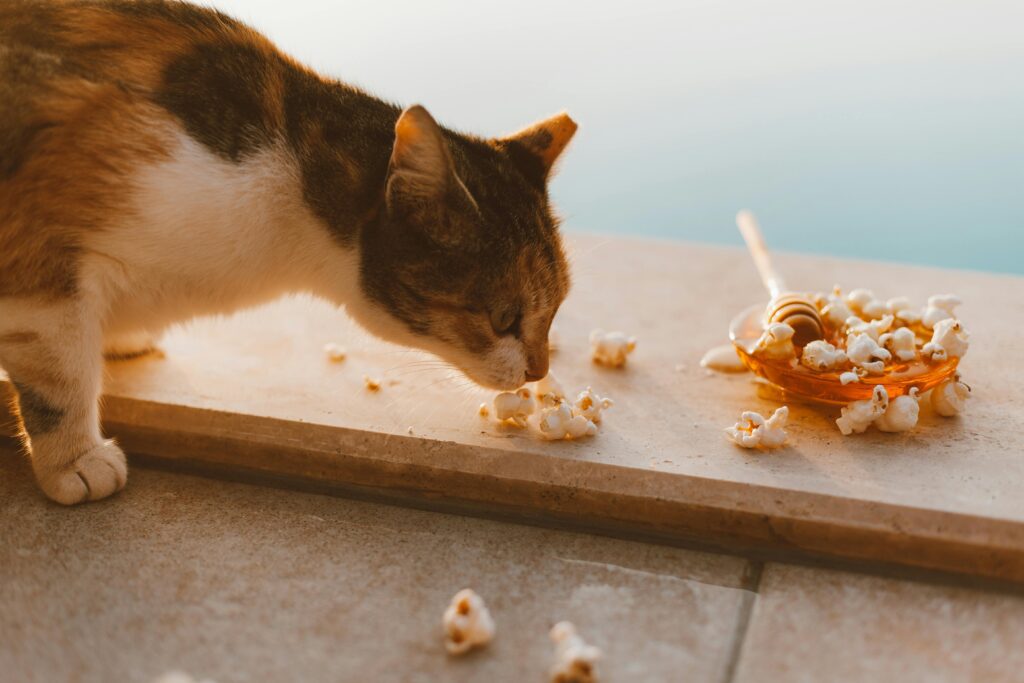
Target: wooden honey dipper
(791, 308)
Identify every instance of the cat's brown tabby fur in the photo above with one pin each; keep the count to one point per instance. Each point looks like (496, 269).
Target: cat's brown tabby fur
(160, 161)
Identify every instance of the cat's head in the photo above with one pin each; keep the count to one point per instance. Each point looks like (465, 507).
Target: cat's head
(465, 259)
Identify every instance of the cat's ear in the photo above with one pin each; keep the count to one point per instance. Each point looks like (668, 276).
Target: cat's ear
(422, 187)
(420, 164)
(545, 141)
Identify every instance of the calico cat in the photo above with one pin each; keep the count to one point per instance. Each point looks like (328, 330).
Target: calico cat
(160, 161)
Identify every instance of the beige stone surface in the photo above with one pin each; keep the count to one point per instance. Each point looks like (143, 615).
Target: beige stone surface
(813, 625)
(255, 391)
(240, 583)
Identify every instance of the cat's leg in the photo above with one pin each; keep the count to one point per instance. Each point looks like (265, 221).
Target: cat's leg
(129, 345)
(53, 356)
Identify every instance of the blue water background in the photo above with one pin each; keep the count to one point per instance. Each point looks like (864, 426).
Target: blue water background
(880, 130)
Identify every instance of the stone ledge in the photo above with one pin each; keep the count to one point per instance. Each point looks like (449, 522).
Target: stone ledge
(254, 393)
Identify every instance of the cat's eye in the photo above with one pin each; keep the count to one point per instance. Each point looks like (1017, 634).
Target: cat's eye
(506, 321)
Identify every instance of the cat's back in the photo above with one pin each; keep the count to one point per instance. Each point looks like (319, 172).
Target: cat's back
(90, 90)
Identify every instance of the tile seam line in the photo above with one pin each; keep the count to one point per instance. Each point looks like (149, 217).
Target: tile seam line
(743, 625)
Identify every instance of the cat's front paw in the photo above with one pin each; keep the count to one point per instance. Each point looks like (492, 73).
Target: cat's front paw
(93, 476)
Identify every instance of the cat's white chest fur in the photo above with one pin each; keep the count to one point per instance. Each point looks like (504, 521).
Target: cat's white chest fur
(209, 236)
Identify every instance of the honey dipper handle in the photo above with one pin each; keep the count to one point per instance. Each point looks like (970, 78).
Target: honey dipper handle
(751, 232)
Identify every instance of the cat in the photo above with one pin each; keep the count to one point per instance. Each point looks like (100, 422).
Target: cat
(161, 161)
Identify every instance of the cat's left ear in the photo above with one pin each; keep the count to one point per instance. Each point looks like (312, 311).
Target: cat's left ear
(545, 141)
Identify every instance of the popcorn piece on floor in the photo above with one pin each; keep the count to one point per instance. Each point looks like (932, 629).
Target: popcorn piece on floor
(753, 431)
(872, 328)
(901, 415)
(467, 623)
(484, 410)
(372, 383)
(940, 307)
(335, 353)
(858, 415)
(723, 359)
(179, 677)
(558, 422)
(776, 342)
(902, 343)
(549, 390)
(849, 378)
(948, 399)
(820, 355)
(865, 353)
(611, 348)
(575, 661)
(949, 340)
(590, 405)
(515, 406)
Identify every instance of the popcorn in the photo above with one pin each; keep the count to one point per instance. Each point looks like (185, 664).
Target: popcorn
(859, 298)
(873, 328)
(549, 390)
(902, 343)
(949, 340)
(372, 383)
(723, 359)
(901, 415)
(467, 623)
(575, 661)
(820, 355)
(776, 342)
(834, 310)
(849, 378)
(335, 353)
(558, 422)
(948, 398)
(515, 406)
(753, 431)
(858, 415)
(611, 348)
(589, 405)
(483, 410)
(864, 352)
(940, 307)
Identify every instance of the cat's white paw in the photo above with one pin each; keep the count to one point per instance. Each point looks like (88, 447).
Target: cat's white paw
(128, 346)
(93, 476)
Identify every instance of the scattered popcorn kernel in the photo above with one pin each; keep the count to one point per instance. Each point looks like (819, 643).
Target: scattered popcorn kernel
(549, 390)
(902, 343)
(820, 355)
(940, 307)
(865, 353)
(611, 348)
(872, 328)
(484, 410)
(776, 342)
(589, 405)
(901, 415)
(372, 383)
(949, 340)
(467, 623)
(723, 359)
(558, 422)
(515, 406)
(335, 353)
(948, 399)
(849, 377)
(575, 661)
(858, 415)
(754, 431)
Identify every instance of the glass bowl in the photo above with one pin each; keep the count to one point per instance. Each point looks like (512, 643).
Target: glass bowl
(801, 382)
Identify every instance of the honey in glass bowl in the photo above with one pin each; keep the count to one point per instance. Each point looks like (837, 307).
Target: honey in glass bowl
(799, 381)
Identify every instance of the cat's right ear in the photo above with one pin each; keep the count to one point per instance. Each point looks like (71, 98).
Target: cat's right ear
(421, 168)
(422, 187)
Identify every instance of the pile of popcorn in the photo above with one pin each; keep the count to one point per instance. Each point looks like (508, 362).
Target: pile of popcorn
(871, 335)
(547, 409)
(468, 624)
